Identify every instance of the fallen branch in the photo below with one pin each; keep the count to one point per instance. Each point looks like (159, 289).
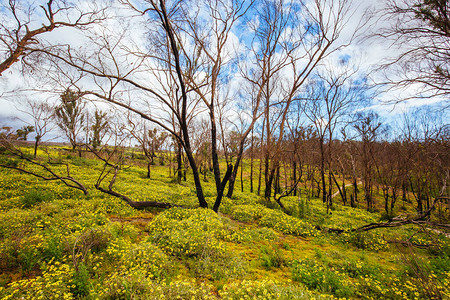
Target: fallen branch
(418, 220)
(134, 204)
(67, 180)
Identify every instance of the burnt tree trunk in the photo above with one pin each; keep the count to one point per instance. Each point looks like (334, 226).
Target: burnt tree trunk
(36, 143)
(179, 163)
(294, 174)
(251, 164)
(222, 187)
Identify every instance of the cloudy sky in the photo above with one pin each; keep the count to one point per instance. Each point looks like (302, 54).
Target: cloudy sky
(363, 54)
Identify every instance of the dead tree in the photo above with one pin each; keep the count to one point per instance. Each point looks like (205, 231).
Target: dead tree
(20, 38)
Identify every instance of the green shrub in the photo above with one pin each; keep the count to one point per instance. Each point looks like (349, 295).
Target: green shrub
(358, 268)
(35, 196)
(81, 161)
(184, 232)
(286, 224)
(54, 283)
(366, 240)
(53, 247)
(271, 257)
(259, 234)
(272, 218)
(247, 213)
(321, 278)
(28, 258)
(145, 259)
(80, 280)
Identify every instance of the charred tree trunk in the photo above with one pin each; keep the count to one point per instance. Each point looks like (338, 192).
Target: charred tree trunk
(215, 156)
(268, 190)
(278, 184)
(36, 143)
(233, 176)
(344, 190)
(251, 164)
(294, 174)
(183, 119)
(339, 187)
(394, 199)
(149, 164)
(242, 177)
(222, 187)
(404, 199)
(259, 176)
(322, 189)
(386, 199)
(179, 163)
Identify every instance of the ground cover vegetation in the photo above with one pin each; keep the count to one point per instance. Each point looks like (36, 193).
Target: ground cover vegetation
(57, 243)
(223, 150)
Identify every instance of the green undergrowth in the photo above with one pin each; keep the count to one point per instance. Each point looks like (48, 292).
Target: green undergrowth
(56, 243)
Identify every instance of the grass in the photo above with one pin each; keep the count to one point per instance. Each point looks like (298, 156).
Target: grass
(55, 243)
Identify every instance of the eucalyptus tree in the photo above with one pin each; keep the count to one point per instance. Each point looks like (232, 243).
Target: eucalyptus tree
(99, 128)
(70, 116)
(22, 133)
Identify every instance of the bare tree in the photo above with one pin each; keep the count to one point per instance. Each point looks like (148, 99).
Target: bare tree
(420, 33)
(368, 127)
(20, 37)
(329, 99)
(42, 115)
(211, 56)
(297, 52)
(150, 140)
